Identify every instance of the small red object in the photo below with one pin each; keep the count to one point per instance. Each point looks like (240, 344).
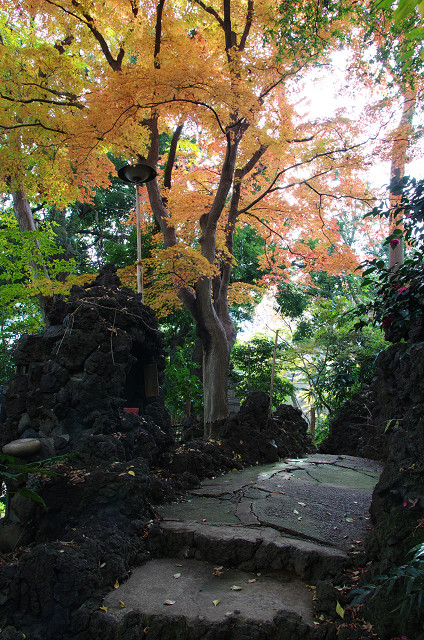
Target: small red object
(132, 410)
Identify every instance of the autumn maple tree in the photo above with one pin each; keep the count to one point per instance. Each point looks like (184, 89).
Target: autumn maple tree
(220, 81)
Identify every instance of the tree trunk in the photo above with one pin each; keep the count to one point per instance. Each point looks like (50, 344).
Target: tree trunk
(216, 359)
(23, 211)
(397, 168)
(25, 219)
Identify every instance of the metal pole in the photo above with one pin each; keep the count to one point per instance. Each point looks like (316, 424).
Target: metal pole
(140, 283)
(312, 426)
(273, 372)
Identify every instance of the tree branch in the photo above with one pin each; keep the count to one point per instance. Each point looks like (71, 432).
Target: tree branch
(212, 11)
(37, 123)
(43, 101)
(158, 33)
(171, 156)
(249, 19)
(195, 102)
(116, 65)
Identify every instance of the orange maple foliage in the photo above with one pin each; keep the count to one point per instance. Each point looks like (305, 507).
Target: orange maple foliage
(127, 72)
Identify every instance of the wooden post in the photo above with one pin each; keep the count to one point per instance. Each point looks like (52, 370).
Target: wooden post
(273, 372)
(312, 425)
(151, 382)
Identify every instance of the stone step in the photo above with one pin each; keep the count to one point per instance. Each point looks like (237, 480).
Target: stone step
(187, 599)
(249, 549)
(274, 531)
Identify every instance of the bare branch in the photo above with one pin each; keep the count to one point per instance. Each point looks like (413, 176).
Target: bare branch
(195, 102)
(158, 33)
(37, 123)
(240, 173)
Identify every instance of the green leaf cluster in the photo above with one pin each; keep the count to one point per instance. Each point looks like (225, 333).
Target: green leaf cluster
(251, 369)
(332, 357)
(299, 27)
(399, 299)
(404, 585)
(29, 261)
(14, 471)
(182, 386)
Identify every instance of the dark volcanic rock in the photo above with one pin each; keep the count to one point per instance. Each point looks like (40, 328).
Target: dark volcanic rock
(354, 432)
(390, 422)
(88, 365)
(71, 386)
(397, 507)
(256, 436)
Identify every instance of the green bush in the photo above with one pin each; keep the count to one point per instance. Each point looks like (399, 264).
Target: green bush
(402, 586)
(399, 299)
(251, 369)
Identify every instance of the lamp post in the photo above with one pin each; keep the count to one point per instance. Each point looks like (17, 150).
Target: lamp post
(138, 174)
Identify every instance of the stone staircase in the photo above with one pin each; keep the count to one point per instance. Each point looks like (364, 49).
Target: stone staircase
(239, 557)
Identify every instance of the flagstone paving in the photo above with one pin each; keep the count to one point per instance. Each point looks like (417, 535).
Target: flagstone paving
(271, 531)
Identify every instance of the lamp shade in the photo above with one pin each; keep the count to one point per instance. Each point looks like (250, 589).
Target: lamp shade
(137, 173)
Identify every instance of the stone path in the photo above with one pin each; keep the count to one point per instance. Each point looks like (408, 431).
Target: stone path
(245, 548)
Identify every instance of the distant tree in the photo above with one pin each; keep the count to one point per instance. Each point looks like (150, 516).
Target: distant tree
(331, 356)
(251, 369)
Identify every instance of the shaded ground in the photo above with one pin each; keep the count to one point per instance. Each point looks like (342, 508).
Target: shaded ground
(72, 384)
(246, 547)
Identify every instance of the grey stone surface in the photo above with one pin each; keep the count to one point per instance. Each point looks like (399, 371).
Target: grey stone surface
(197, 587)
(285, 526)
(322, 498)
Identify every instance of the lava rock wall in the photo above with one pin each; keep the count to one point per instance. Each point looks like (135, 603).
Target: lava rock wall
(75, 377)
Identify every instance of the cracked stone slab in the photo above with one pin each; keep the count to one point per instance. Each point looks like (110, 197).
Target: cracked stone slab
(196, 588)
(335, 470)
(322, 498)
(244, 512)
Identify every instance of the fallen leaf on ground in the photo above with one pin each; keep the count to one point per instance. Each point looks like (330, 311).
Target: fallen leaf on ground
(302, 504)
(169, 602)
(177, 575)
(236, 588)
(339, 610)
(252, 580)
(218, 568)
(216, 602)
(104, 608)
(121, 604)
(116, 585)
(131, 473)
